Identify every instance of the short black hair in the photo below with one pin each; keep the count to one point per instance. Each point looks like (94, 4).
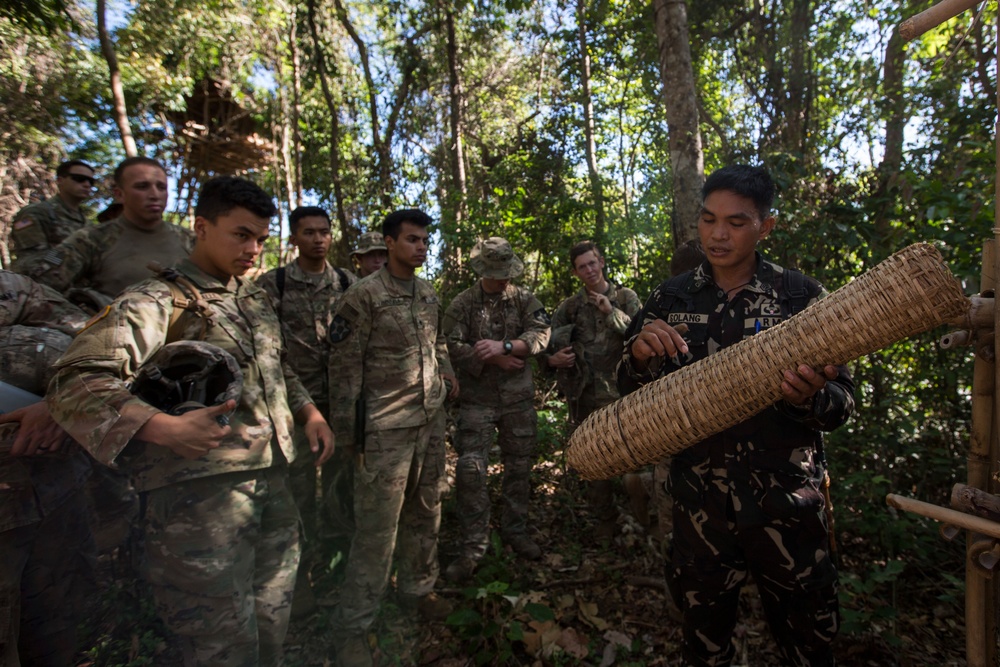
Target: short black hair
(132, 161)
(394, 221)
(222, 194)
(62, 171)
(582, 248)
(754, 183)
(305, 212)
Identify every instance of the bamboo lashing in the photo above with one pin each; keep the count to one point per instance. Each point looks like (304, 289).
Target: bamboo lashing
(910, 292)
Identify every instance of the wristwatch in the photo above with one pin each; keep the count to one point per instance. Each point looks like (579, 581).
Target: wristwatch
(508, 347)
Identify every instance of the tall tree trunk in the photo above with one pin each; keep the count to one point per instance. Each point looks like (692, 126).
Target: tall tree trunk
(117, 91)
(331, 105)
(459, 193)
(892, 159)
(681, 103)
(596, 187)
(796, 103)
(293, 46)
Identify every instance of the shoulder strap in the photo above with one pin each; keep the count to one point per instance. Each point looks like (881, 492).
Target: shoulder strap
(184, 297)
(795, 292)
(279, 279)
(344, 282)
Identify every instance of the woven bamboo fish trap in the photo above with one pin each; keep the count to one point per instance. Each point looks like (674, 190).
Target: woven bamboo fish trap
(910, 292)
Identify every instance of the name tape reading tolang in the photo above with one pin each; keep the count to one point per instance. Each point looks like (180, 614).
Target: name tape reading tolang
(910, 292)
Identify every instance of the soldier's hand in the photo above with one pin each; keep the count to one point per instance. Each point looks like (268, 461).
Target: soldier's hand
(564, 358)
(38, 434)
(320, 440)
(191, 434)
(657, 339)
(488, 349)
(452, 383)
(508, 362)
(602, 302)
(802, 384)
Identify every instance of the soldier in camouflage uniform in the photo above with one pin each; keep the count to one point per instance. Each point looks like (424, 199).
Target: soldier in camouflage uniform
(220, 527)
(370, 255)
(493, 327)
(111, 256)
(305, 293)
(39, 227)
(746, 501)
(46, 548)
(392, 357)
(591, 326)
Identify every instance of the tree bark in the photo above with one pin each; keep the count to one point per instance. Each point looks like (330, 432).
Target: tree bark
(681, 104)
(586, 99)
(892, 159)
(459, 193)
(117, 91)
(293, 46)
(331, 105)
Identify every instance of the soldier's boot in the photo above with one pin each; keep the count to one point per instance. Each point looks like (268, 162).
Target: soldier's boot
(354, 651)
(460, 570)
(303, 600)
(429, 607)
(524, 546)
(638, 497)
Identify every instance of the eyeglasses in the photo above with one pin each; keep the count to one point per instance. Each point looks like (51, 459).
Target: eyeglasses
(80, 178)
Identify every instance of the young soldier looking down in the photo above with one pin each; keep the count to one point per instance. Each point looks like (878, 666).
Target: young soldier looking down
(748, 500)
(220, 526)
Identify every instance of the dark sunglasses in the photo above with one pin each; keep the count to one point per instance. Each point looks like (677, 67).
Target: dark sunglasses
(80, 178)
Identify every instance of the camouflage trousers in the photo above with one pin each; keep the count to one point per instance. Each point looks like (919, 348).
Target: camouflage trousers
(397, 507)
(778, 534)
(46, 577)
(515, 428)
(221, 554)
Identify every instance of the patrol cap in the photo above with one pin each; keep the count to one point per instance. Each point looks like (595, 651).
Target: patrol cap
(188, 375)
(368, 242)
(495, 259)
(28, 356)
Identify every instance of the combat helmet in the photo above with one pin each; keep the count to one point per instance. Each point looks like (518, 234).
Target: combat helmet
(188, 375)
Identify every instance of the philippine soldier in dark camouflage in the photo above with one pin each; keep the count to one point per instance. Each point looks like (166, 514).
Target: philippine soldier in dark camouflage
(588, 332)
(111, 256)
(46, 547)
(37, 228)
(221, 539)
(748, 500)
(493, 327)
(391, 356)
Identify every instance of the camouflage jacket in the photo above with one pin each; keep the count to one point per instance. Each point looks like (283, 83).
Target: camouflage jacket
(474, 315)
(31, 486)
(596, 339)
(37, 228)
(388, 351)
(786, 432)
(305, 308)
(90, 398)
(114, 255)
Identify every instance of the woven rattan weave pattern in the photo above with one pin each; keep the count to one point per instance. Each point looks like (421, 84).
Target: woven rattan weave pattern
(910, 292)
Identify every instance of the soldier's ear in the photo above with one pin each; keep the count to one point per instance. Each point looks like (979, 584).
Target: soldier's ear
(200, 224)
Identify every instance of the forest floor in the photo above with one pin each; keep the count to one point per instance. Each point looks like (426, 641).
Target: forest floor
(583, 603)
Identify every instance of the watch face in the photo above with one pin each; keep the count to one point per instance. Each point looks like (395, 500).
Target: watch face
(508, 346)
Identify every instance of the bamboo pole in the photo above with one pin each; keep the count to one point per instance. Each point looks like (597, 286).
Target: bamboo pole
(976, 524)
(932, 17)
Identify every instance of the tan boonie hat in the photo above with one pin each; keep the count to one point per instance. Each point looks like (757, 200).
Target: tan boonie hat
(369, 241)
(495, 259)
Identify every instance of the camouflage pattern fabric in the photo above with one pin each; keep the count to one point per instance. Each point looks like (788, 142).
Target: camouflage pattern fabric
(112, 256)
(397, 500)
(46, 547)
(597, 341)
(492, 401)
(305, 308)
(390, 354)
(747, 501)
(221, 554)
(39, 227)
(89, 396)
(223, 525)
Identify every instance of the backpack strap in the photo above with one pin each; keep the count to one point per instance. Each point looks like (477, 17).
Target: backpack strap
(185, 296)
(344, 282)
(794, 290)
